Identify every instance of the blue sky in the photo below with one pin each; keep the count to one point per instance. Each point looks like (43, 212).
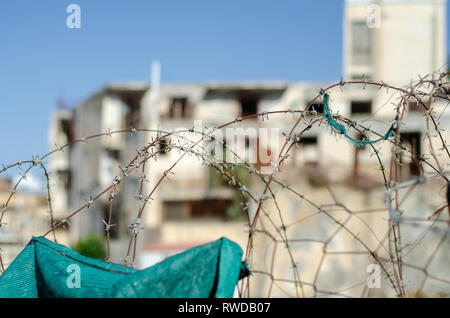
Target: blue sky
(197, 40)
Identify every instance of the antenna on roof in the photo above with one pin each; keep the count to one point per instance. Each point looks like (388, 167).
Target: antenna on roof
(61, 102)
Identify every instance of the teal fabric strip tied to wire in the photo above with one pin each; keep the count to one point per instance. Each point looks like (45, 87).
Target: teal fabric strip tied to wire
(342, 130)
(45, 269)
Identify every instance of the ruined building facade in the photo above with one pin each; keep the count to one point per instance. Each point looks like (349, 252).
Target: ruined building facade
(194, 206)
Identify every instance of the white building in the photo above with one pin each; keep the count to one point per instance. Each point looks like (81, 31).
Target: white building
(406, 40)
(26, 215)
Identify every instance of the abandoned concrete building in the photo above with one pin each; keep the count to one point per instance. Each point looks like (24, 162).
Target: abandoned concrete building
(193, 206)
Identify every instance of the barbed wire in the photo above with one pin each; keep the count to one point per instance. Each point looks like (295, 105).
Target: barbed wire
(267, 220)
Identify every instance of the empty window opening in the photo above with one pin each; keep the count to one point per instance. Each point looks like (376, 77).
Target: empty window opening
(195, 209)
(247, 142)
(415, 106)
(309, 140)
(132, 110)
(205, 209)
(163, 146)
(65, 178)
(317, 107)
(249, 105)
(179, 108)
(67, 129)
(113, 154)
(411, 156)
(361, 46)
(361, 107)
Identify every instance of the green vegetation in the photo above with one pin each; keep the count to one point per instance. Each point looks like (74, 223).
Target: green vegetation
(234, 211)
(91, 246)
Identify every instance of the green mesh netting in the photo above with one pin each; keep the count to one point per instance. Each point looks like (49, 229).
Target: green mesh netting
(45, 269)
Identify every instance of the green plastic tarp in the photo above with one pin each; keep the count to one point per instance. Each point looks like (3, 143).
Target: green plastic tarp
(47, 269)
